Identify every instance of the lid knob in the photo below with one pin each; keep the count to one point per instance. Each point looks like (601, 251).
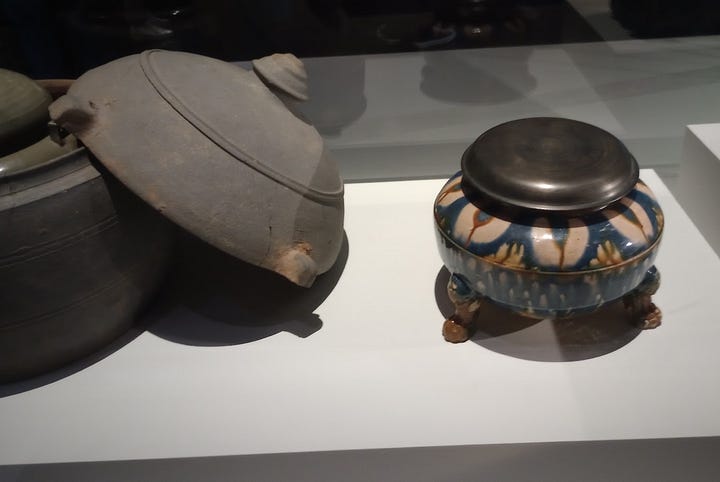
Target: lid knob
(284, 72)
(549, 164)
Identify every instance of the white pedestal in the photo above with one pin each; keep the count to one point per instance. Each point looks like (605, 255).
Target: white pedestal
(377, 374)
(699, 183)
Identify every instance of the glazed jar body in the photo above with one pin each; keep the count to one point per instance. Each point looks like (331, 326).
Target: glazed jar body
(538, 294)
(548, 266)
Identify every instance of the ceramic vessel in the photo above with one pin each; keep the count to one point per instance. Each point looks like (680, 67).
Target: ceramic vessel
(548, 219)
(23, 117)
(79, 256)
(214, 148)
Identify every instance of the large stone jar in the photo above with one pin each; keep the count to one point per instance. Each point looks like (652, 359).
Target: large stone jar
(79, 253)
(216, 149)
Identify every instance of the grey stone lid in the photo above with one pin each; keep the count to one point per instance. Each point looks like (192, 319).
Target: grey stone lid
(210, 146)
(237, 112)
(223, 103)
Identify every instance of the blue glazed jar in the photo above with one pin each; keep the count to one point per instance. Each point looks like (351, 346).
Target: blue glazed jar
(564, 238)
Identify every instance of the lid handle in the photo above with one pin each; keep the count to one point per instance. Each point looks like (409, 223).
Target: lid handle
(69, 113)
(284, 73)
(296, 265)
(57, 133)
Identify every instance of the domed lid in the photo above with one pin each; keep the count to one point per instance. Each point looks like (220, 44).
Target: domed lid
(223, 103)
(284, 72)
(237, 112)
(208, 145)
(23, 112)
(549, 164)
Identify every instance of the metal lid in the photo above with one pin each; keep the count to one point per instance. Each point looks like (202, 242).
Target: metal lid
(549, 164)
(23, 112)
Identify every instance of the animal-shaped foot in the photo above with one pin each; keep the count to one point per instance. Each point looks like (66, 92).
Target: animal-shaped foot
(652, 318)
(461, 325)
(639, 302)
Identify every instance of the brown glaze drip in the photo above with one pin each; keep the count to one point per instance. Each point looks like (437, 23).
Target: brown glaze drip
(476, 224)
(454, 188)
(636, 222)
(507, 255)
(561, 245)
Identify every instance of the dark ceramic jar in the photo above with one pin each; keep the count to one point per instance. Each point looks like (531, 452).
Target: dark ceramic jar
(23, 116)
(79, 255)
(217, 149)
(548, 219)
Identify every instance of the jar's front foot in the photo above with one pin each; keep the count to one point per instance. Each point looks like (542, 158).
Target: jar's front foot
(652, 318)
(461, 325)
(639, 301)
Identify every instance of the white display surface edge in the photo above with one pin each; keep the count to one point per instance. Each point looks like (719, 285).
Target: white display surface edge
(699, 177)
(378, 374)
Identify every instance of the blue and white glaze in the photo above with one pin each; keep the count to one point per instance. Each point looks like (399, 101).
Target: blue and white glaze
(546, 264)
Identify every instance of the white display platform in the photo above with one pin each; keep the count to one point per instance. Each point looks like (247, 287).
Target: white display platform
(377, 373)
(699, 179)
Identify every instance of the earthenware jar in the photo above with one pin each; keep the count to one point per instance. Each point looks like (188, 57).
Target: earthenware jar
(548, 218)
(79, 253)
(215, 149)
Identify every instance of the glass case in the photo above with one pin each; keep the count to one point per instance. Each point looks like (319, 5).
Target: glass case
(232, 373)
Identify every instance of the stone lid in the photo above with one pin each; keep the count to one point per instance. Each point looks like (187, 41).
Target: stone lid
(549, 164)
(221, 102)
(238, 113)
(208, 145)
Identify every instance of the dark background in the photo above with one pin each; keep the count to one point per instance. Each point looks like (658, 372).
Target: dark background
(52, 38)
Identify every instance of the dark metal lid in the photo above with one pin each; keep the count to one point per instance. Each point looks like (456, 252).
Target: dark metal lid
(549, 164)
